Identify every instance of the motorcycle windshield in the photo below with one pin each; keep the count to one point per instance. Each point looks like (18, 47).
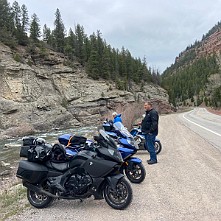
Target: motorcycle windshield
(109, 148)
(119, 126)
(108, 139)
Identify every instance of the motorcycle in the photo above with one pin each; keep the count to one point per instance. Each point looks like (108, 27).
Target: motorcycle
(135, 170)
(140, 139)
(49, 174)
(136, 133)
(132, 166)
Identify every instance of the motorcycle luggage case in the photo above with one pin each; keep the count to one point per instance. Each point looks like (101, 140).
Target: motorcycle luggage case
(27, 143)
(31, 172)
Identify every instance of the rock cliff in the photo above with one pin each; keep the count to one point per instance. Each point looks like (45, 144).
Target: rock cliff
(41, 94)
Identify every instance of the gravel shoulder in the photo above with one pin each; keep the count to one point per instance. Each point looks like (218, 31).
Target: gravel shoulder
(184, 185)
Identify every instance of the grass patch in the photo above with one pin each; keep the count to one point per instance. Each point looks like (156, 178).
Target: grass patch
(13, 201)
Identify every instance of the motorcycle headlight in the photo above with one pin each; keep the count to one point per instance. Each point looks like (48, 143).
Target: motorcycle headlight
(111, 151)
(133, 143)
(119, 157)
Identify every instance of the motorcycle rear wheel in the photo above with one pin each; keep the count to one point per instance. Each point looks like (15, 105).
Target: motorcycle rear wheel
(39, 200)
(157, 145)
(135, 173)
(121, 197)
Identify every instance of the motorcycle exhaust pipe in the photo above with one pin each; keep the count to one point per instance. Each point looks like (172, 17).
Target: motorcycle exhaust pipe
(38, 190)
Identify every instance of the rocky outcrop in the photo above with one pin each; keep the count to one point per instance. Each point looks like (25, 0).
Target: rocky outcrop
(45, 94)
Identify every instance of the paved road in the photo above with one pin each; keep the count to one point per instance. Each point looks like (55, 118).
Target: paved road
(204, 123)
(184, 186)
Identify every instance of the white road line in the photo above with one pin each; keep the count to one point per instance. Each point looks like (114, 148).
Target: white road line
(200, 125)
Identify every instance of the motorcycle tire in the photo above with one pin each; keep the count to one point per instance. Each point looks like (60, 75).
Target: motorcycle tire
(121, 197)
(157, 145)
(136, 173)
(39, 200)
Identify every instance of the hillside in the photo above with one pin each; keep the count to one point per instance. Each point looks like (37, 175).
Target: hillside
(195, 77)
(48, 94)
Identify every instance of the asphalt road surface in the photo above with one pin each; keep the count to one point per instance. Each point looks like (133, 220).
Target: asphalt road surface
(204, 123)
(185, 184)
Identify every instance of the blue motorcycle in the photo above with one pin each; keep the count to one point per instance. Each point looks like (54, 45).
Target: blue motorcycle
(132, 166)
(140, 139)
(137, 134)
(135, 170)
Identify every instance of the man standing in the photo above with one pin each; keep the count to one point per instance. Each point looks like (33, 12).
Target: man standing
(149, 127)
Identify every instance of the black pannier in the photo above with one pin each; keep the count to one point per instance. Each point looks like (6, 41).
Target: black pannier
(31, 172)
(35, 149)
(27, 143)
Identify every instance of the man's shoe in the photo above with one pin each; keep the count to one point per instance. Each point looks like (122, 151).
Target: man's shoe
(152, 161)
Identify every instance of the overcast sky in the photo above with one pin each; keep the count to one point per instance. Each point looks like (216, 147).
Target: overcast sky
(156, 29)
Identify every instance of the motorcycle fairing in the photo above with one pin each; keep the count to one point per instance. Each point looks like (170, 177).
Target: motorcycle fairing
(98, 167)
(134, 160)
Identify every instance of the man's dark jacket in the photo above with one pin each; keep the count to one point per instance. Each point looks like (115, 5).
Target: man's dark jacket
(150, 122)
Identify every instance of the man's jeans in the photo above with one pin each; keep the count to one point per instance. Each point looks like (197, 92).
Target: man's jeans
(150, 141)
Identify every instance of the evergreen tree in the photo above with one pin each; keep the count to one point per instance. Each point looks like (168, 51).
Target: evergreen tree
(24, 25)
(69, 44)
(17, 15)
(35, 30)
(21, 36)
(24, 19)
(93, 64)
(80, 49)
(105, 64)
(6, 24)
(46, 34)
(59, 32)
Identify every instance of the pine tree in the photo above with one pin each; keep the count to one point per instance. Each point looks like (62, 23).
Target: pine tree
(59, 32)
(80, 49)
(24, 19)
(46, 34)
(24, 25)
(21, 36)
(69, 44)
(35, 30)
(17, 15)
(6, 24)
(106, 64)
(93, 64)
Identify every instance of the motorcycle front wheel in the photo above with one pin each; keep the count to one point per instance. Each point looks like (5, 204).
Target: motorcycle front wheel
(120, 197)
(39, 200)
(136, 173)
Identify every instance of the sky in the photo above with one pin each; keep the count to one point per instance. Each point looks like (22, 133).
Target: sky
(155, 29)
